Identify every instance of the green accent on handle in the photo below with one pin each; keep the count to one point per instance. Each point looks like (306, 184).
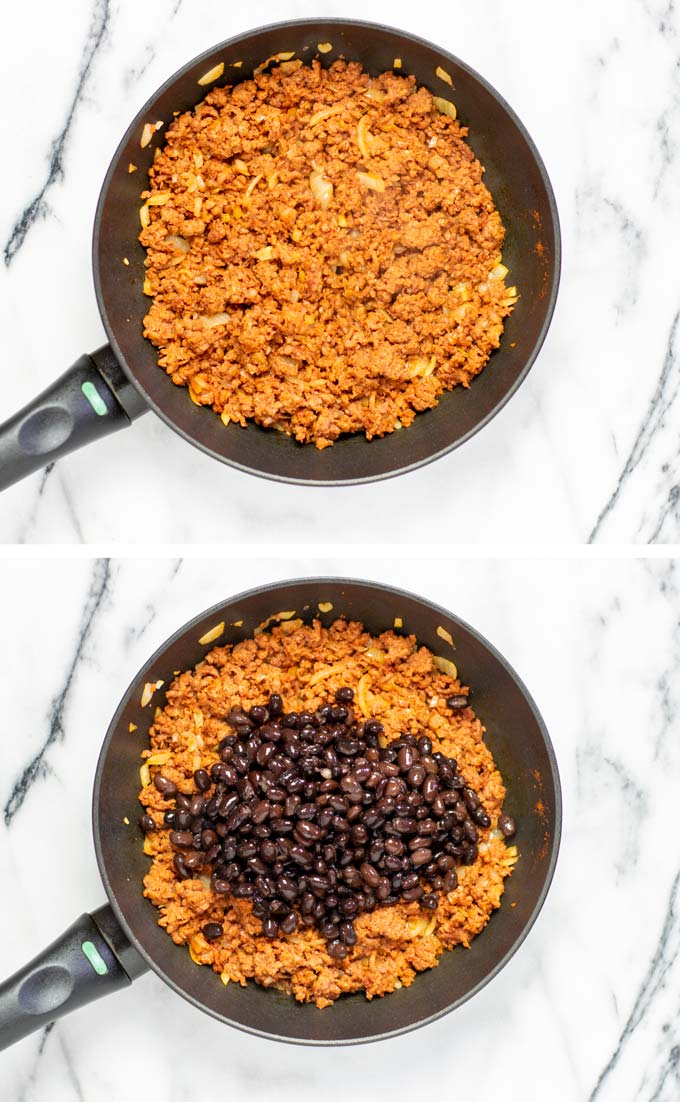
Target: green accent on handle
(90, 950)
(94, 398)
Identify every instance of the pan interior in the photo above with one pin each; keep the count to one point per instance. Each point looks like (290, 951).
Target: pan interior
(515, 734)
(514, 174)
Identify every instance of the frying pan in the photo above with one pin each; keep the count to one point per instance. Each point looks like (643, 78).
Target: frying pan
(106, 390)
(107, 949)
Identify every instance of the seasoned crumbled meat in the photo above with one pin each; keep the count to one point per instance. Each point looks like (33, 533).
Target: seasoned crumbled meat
(396, 682)
(319, 252)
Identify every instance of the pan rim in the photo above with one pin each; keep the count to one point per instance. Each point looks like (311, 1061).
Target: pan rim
(551, 298)
(396, 593)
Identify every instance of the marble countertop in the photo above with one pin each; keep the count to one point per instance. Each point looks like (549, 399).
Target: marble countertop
(587, 1010)
(587, 449)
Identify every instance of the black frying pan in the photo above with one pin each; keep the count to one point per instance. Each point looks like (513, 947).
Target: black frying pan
(107, 949)
(106, 390)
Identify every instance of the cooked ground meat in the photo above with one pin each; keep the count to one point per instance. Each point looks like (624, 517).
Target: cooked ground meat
(396, 682)
(322, 253)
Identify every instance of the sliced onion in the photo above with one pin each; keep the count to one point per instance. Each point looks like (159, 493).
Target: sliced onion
(499, 272)
(370, 180)
(363, 136)
(325, 113)
(445, 666)
(251, 187)
(213, 74)
(445, 106)
(322, 188)
(180, 243)
(443, 75)
(212, 635)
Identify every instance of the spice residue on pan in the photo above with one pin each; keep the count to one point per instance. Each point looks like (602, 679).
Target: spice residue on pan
(211, 899)
(322, 253)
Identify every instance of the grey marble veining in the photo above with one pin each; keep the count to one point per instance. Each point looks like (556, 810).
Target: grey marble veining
(587, 1010)
(587, 449)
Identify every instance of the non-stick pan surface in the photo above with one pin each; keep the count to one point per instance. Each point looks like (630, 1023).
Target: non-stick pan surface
(515, 734)
(522, 192)
(127, 934)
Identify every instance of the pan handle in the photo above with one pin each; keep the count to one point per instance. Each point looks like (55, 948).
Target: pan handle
(93, 398)
(90, 959)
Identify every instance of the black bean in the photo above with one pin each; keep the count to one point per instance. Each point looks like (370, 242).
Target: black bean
(456, 702)
(288, 924)
(180, 870)
(470, 855)
(450, 880)
(147, 822)
(313, 821)
(405, 758)
(430, 788)
(264, 753)
(212, 930)
(243, 891)
(166, 787)
(421, 857)
(197, 805)
(347, 933)
(300, 856)
(275, 705)
(238, 817)
(228, 774)
(416, 775)
(344, 695)
(270, 927)
(383, 888)
(347, 746)
(237, 717)
(240, 763)
(419, 842)
(307, 832)
(202, 780)
(260, 811)
(369, 874)
(337, 950)
(182, 838)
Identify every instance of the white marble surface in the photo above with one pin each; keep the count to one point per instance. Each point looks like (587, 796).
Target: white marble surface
(586, 449)
(587, 1011)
